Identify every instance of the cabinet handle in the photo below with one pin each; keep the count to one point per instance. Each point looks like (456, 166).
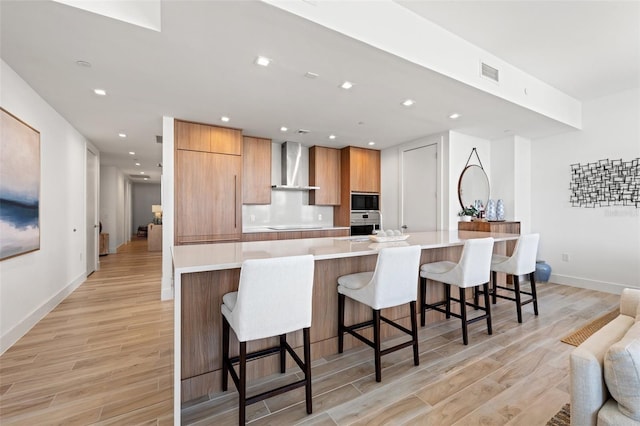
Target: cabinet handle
(235, 201)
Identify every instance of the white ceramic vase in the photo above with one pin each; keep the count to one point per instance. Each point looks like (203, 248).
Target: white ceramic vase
(500, 210)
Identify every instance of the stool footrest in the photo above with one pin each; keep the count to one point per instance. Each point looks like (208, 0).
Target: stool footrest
(273, 392)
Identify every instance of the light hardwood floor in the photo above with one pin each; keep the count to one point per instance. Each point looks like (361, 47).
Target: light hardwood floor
(105, 356)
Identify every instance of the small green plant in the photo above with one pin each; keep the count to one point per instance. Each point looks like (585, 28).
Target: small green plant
(468, 211)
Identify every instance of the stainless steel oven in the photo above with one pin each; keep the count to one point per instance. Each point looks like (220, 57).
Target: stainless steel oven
(364, 222)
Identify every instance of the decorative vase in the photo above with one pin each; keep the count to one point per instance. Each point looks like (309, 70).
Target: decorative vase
(491, 210)
(500, 210)
(543, 271)
(465, 218)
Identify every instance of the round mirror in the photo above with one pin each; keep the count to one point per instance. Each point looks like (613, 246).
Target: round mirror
(473, 185)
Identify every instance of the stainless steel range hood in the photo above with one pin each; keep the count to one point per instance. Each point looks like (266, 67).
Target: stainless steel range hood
(292, 168)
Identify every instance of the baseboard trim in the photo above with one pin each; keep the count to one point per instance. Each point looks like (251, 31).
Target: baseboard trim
(607, 287)
(166, 294)
(20, 329)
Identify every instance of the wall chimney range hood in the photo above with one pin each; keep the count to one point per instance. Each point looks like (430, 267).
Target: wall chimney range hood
(292, 168)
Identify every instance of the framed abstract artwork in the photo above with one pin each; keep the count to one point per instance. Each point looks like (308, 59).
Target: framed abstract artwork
(19, 187)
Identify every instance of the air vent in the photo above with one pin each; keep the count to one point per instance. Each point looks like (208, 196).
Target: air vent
(490, 72)
(158, 139)
(302, 131)
(137, 177)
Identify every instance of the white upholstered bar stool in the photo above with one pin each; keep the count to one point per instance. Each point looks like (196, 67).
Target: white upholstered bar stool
(471, 271)
(273, 298)
(521, 262)
(394, 282)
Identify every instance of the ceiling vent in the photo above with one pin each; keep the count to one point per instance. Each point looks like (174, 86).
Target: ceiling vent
(489, 72)
(302, 131)
(158, 139)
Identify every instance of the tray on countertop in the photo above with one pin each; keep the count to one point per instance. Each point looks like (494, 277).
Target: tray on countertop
(388, 239)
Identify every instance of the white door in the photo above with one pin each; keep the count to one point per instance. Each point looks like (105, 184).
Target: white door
(419, 201)
(92, 221)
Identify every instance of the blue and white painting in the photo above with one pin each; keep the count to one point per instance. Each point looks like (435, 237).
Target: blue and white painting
(19, 187)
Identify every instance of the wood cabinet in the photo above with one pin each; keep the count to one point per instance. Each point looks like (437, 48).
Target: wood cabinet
(205, 138)
(324, 171)
(208, 183)
(256, 171)
(364, 169)
(482, 226)
(359, 172)
(294, 235)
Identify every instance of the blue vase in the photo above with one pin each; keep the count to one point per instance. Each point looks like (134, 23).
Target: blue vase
(543, 271)
(491, 210)
(500, 210)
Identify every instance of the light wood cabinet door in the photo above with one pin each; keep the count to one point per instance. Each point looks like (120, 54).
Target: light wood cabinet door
(256, 171)
(208, 195)
(324, 171)
(364, 170)
(192, 136)
(225, 140)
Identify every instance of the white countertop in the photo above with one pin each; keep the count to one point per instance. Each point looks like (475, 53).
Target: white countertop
(286, 228)
(210, 257)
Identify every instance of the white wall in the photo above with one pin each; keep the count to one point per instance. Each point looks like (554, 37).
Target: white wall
(603, 244)
(114, 200)
(167, 208)
(34, 283)
(144, 195)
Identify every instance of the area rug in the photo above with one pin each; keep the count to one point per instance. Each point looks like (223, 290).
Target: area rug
(583, 333)
(562, 417)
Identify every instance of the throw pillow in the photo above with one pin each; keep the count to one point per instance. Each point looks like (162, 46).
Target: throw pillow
(622, 372)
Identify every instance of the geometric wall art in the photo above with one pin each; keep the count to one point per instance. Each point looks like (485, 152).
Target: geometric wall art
(605, 183)
(19, 187)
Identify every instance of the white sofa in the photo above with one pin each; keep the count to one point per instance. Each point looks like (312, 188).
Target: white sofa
(597, 375)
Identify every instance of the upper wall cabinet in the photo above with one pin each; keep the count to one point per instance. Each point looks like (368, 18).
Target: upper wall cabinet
(256, 169)
(324, 171)
(202, 137)
(364, 169)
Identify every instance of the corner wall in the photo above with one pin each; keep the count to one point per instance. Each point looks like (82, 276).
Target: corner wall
(32, 284)
(602, 244)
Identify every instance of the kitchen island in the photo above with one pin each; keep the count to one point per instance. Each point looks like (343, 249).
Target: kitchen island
(204, 273)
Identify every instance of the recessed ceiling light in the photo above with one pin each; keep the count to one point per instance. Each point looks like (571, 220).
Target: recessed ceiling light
(146, 178)
(454, 116)
(408, 102)
(122, 135)
(310, 74)
(100, 92)
(137, 164)
(332, 136)
(283, 129)
(225, 118)
(371, 143)
(132, 153)
(83, 64)
(347, 85)
(141, 173)
(262, 61)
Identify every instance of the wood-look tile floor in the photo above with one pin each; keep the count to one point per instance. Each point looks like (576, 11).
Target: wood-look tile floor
(104, 356)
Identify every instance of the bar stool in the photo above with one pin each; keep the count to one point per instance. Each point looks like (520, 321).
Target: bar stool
(521, 262)
(394, 282)
(273, 298)
(471, 271)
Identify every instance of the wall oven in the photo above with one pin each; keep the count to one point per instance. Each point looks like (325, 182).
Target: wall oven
(364, 222)
(364, 202)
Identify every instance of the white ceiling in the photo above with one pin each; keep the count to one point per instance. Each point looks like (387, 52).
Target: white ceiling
(200, 67)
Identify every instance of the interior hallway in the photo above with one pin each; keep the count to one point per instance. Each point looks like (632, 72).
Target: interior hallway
(104, 355)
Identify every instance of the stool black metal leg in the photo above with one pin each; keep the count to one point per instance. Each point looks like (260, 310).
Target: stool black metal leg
(463, 316)
(242, 388)
(488, 307)
(340, 322)
(376, 342)
(423, 301)
(414, 332)
(447, 295)
(283, 357)
(225, 353)
(534, 292)
(516, 288)
(494, 292)
(307, 368)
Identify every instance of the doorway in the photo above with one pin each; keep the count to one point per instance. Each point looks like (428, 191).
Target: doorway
(419, 195)
(92, 221)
